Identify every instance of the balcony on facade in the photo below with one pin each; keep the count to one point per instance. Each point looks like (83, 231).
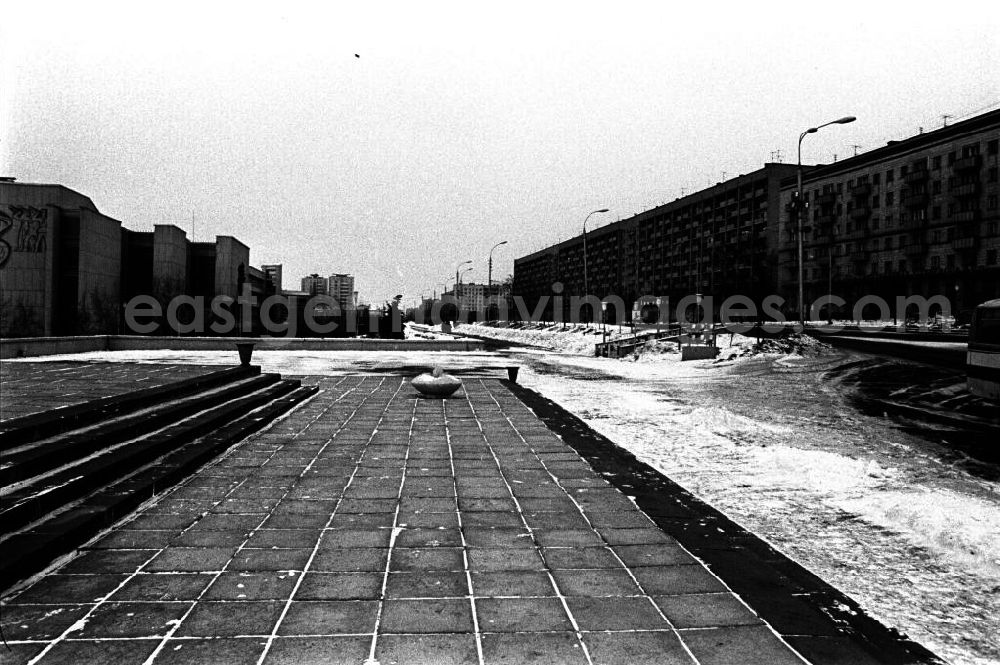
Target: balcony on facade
(912, 199)
(968, 163)
(916, 175)
(861, 213)
(861, 190)
(965, 216)
(826, 199)
(963, 189)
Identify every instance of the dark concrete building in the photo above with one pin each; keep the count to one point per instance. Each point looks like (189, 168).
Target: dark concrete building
(914, 217)
(67, 269)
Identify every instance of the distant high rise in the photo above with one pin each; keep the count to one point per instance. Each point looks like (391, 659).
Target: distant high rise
(273, 273)
(315, 285)
(341, 288)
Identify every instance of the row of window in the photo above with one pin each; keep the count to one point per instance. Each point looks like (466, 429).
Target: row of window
(888, 267)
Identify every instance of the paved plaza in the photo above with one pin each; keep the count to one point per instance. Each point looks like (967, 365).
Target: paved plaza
(372, 525)
(33, 387)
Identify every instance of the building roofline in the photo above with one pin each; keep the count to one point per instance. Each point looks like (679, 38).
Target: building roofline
(897, 148)
(679, 202)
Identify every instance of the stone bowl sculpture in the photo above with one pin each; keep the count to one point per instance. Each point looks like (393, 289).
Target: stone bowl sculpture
(436, 384)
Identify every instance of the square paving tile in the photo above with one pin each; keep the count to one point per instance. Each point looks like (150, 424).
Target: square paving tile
(229, 619)
(512, 583)
(519, 615)
(340, 586)
(284, 538)
(637, 648)
(163, 587)
(362, 520)
(427, 558)
(670, 580)
(661, 554)
(568, 538)
(459, 649)
(225, 651)
(625, 613)
(644, 536)
(252, 586)
(540, 648)
(427, 616)
(362, 559)
(596, 583)
(133, 619)
(107, 561)
(347, 538)
(318, 651)
(706, 610)
(63, 589)
(102, 652)
(204, 538)
(739, 645)
(270, 559)
(580, 557)
(494, 559)
(433, 584)
(190, 559)
(329, 617)
(38, 622)
(429, 538)
(126, 539)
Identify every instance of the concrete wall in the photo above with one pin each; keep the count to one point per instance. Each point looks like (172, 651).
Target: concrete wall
(30, 217)
(230, 256)
(99, 274)
(26, 247)
(170, 250)
(45, 346)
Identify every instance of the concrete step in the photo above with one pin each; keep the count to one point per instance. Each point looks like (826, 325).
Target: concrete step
(30, 550)
(38, 498)
(19, 431)
(47, 455)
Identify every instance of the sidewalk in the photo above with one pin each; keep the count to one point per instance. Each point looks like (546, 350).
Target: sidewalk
(372, 525)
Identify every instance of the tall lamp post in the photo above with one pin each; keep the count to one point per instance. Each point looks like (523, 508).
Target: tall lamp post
(799, 203)
(586, 286)
(489, 279)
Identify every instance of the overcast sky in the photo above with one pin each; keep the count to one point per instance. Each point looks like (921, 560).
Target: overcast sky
(458, 126)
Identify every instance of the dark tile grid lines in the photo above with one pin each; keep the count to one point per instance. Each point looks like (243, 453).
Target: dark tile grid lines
(643, 598)
(123, 602)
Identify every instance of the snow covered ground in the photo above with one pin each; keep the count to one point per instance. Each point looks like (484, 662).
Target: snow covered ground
(873, 510)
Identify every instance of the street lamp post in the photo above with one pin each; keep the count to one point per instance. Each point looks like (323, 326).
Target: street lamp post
(489, 279)
(586, 286)
(799, 203)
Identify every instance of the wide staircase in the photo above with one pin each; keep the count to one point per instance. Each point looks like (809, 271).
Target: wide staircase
(69, 473)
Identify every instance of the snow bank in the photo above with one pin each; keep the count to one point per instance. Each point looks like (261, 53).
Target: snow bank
(576, 339)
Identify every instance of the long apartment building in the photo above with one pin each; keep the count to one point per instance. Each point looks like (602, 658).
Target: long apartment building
(717, 241)
(914, 217)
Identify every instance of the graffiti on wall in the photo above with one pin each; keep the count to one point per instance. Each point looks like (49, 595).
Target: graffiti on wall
(25, 227)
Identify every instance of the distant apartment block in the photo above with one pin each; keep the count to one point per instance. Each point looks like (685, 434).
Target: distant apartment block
(314, 285)
(719, 240)
(341, 288)
(273, 273)
(915, 217)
